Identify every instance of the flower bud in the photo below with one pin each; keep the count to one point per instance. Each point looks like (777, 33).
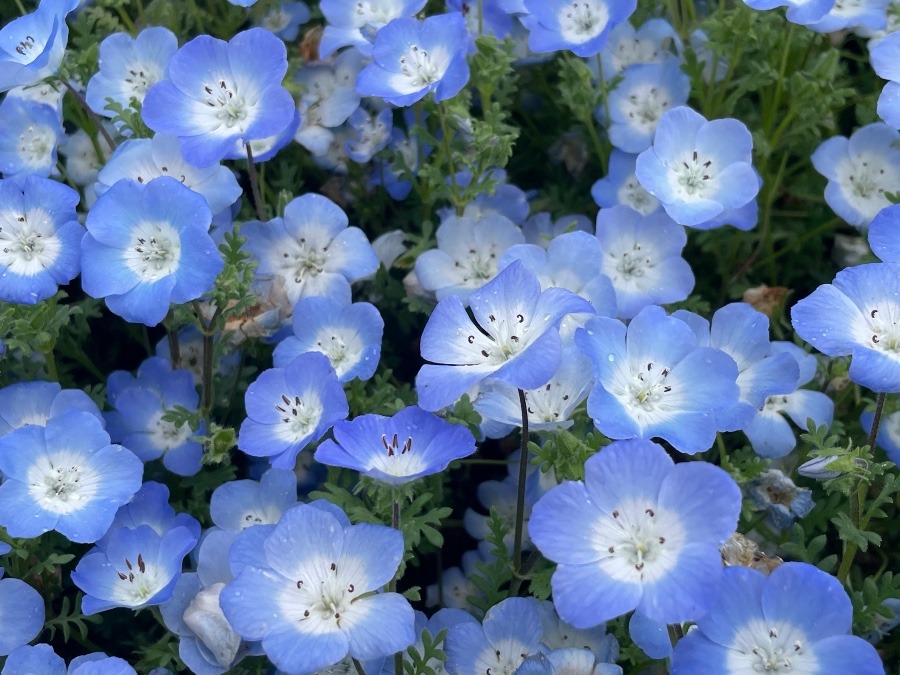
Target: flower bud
(205, 618)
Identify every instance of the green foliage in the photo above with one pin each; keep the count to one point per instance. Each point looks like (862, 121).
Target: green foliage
(494, 576)
(69, 621)
(423, 662)
(565, 453)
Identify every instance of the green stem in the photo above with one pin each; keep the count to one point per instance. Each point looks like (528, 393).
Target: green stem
(392, 586)
(50, 362)
(21, 7)
(254, 186)
(358, 666)
(129, 24)
(676, 632)
(94, 117)
(174, 344)
(448, 153)
(520, 493)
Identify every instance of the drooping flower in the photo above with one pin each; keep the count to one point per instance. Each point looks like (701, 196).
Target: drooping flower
(412, 58)
(217, 93)
(22, 614)
(581, 26)
(395, 450)
(39, 238)
(290, 407)
(782, 500)
(32, 46)
(147, 246)
(697, 168)
(796, 619)
(514, 337)
(356, 24)
(641, 533)
(66, 477)
(313, 605)
(654, 379)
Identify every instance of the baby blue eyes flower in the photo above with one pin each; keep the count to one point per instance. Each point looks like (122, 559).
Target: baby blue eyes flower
(290, 407)
(884, 58)
(395, 450)
(775, 493)
(514, 337)
(656, 41)
(697, 168)
(413, 58)
(356, 23)
(311, 593)
(147, 246)
(620, 186)
(129, 67)
(29, 134)
(39, 238)
(32, 46)
(796, 619)
(654, 379)
(857, 315)
(285, 18)
(218, 93)
(36, 403)
(65, 477)
(22, 614)
(802, 12)
(884, 234)
(581, 26)
(641, 533)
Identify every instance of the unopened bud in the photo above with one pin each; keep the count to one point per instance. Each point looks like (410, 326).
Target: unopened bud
(824, 468)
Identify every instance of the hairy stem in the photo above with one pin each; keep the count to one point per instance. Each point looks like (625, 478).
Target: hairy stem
(520, 496)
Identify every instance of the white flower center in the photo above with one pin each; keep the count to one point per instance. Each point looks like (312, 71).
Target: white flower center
(645, 105)
(884, 324)
(230, 107)
(583, 20)
(300, 417)
(342, 347)
(318, 600)
(371, 134)
(61, 483)
(28, 242)
(694, 176)
(420, 67)
(630, 51)
(142, 76)
(375, 13)
(509, 338)
(629, 264)
(305, 261)
(771, 649)
(138, 581)
(632, 194)
(398, 460)
(276, 20)
(167, 436)
(36, 143)
(648, 389)
(864, 180)
(154, 251)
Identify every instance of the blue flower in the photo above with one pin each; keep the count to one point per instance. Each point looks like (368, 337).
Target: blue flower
(641, 533)
(697, 168)
(311, 248)
(412, 58)
(143, 159)
(239, 504)
(65, 477)
(641, 255)
(487, 17)
(129, 66)
(38, 658)
(284, 19)
(653, 42)
(581, 26)
(802, 12)
(443, 620)
(620, 186)
(150, 506)
(888, 438)
(860, 170)
(218, 93)
(39, 238)
(137, 568)
(514, 337)
(884, 58)
(138, 423)
(147, 246)
(356, 24)
(783, 501)
(290, 407)
(798, 618)
(29, 134)
(371, 134)
(867, 14)
(395, 450)
(560, 634)
(857, 315)
(314, 604)
(506, 199)
(25, 403)
(33, 45)
(455, 586)
(22, 613)
(656, 380)
(540, 228)
(884, 234)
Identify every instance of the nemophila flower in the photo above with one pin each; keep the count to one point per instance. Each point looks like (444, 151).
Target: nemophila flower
(888, 437)
(656, 380)
(239, 504)
(46, 92)
(541, 228)
(39, 238)
(143, 159)
(569, 262)
(29, 134)
(510, 632)
(266, 148)
(371, 133)
(137, 421)
(146, 247)
(290, 407)
(137, 568)
(642, 533)
(620, 186)
(487, 17)
(560, 634)
(548, 407)
(568, 660)
(82, 162)
(743, 333)
(399, 163)
(99, 664)
(39, 658)
(314, 604)
(506, 199)
(443, 620)
(641, 255)
(468, 253)
(129, 66)
(858, 315)
(22, 613)
(455, 586)
(150, 506)
(285, 18)
(395, 450)
(311, 248)
(656, 41)
(742, 218)
(796, 619)
(769, 433)
(35, 403)
(776, 494)
(32, 46)
(581, 26)
(884, 56)
(697, 168)
(884, 234)
(412, 58)
(356, 24)
(328, 98)
(514, 337)
(803, 12)
(638, 102)
(866, 14)
(859, 169)
(217, 93)
(65, 477)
